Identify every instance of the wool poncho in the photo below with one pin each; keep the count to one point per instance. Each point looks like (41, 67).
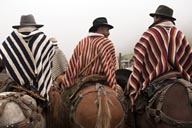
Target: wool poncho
(162, 48)
(28, 62)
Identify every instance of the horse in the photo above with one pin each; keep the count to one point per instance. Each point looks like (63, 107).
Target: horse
(19, 110)
(20, 107)
(166, 103)
(96, 105)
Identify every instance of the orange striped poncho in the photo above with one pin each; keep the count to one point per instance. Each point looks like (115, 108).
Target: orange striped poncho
(161, 49)
(88, 48)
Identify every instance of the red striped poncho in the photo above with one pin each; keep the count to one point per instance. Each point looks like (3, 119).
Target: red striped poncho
(84, 53)
(161, 49)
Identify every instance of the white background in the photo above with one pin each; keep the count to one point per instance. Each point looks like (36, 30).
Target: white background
(70, 20)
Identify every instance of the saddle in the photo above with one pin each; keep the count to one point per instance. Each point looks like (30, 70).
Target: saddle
(159, 89)
(160, 82)
(3, 80)
(156, 85)
(69, 93)
(7, 84)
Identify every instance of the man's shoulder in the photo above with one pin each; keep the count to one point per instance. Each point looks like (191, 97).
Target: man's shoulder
(100, 39)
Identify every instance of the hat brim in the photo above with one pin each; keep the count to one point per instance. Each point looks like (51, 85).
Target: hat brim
(36, 25)
(157, 14)
(94, 28)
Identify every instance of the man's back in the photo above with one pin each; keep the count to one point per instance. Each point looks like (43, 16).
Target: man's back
(93, 55)
(161, 49)
(26, 54)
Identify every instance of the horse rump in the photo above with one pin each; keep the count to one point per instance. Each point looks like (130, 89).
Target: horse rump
(169, 107)
(97, 106)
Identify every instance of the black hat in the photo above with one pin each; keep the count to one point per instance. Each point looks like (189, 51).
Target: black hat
(163, 10)
(27, 20)
(98, 22)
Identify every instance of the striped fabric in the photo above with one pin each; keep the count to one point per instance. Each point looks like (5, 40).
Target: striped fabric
(161, 49)
(84, 53)
(27, 63)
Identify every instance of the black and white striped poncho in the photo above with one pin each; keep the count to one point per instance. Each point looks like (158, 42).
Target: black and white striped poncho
(26, 62)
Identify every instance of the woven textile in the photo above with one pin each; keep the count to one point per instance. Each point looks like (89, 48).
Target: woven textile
(27, 59)
(59, 63)
(161, 49)
(98, 47)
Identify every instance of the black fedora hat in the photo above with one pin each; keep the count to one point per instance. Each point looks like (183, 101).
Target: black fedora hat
(164, 11)
(98, 22)
(27, 20)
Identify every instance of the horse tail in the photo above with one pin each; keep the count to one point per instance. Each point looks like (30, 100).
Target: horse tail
(56, 115)
(104, 113)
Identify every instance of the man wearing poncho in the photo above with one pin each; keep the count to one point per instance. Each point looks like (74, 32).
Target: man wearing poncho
(59, 61)
(96, 49)
(161, 49)
(26, 55)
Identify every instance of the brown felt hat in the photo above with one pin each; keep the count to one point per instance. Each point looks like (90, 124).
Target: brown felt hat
(27, 20)
(164, 11)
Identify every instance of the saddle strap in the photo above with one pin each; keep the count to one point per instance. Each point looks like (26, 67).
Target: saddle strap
(77, 99)
(188, 85)
(161, 116)
(22, 124)
(30, 92)
(82, 81)
(99, 88)
(169, 75)
(160, 82)
(155, 86)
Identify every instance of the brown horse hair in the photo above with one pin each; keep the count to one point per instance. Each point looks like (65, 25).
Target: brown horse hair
(103, 115)
(56, 111)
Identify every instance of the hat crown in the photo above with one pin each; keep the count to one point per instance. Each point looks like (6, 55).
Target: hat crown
(164, 10)
(100, 21)
(27, 20)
